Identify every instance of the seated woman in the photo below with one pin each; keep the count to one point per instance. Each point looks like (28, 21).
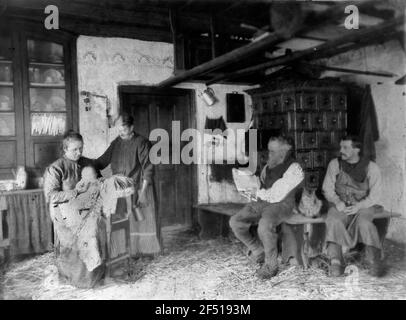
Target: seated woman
(76, 207)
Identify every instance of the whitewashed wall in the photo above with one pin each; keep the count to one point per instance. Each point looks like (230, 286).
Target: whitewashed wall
(105, 63)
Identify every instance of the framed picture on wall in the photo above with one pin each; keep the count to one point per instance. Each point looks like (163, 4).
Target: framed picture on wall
(235, 107)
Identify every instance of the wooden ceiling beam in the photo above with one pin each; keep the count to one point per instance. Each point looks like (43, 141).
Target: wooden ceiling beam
(346, 70)
(332, 46)
(252, 48)
(234, 5)
(95, 13)
(145, 17)
(89, 28)
(223, 60)
(185, 5)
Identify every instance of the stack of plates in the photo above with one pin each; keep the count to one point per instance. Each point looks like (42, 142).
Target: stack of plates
(4, 103)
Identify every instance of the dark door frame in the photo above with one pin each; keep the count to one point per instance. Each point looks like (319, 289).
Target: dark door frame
(152, 90)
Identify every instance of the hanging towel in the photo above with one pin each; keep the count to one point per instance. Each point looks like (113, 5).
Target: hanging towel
(217, 123)
(369, 132)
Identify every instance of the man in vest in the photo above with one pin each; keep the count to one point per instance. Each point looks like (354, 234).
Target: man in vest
(281, 178)
(352, 186)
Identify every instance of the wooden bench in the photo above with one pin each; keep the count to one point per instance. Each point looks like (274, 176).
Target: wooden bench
(213, 219)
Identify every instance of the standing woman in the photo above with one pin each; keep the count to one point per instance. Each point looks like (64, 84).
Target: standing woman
(128, 155)
(60, 181)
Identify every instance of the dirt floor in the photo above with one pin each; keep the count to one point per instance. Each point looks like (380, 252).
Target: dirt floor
(216, 269)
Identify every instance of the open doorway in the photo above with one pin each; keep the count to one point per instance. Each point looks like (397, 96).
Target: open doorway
(175, 184)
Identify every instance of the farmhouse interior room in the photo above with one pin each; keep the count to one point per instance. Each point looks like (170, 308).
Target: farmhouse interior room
(202, 150)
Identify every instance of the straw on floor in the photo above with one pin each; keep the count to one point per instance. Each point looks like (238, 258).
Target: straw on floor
(216, 269)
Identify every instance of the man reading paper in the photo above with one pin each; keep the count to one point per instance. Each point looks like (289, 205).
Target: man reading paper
(281, 179)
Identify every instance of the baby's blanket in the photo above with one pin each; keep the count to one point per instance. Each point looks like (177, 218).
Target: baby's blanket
(81, 215)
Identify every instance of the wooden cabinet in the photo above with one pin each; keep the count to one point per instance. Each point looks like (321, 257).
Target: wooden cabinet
(38, 96)
(313, 114)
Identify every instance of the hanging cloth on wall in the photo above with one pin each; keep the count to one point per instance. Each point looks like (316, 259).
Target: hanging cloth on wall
(216, 123)
(369, 132)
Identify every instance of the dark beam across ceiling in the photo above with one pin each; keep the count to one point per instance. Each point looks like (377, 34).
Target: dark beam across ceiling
(93, 12)
(331, 48)
(332, 13)
(92, 28)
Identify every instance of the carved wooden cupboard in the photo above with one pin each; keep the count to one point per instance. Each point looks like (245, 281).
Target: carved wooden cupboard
(313, 114)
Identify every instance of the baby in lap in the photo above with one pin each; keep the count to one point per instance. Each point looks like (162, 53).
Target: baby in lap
(91, 184)
(89, 180)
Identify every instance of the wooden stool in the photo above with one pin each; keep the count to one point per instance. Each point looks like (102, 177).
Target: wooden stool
(122, 224)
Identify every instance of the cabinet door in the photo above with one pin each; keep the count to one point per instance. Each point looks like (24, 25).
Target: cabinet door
(305, 159)
(333, 121)
(289, 101)
(276, 103)
(324, 101)
(309, 140)
(47, 98)
(324, 139)
(309, 101)
(319, 159)
(317, 121)
(11, 129)
(302, 121)
(313, 179)
(339, 101)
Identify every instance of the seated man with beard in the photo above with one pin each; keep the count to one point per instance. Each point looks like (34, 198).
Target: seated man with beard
(281, 179)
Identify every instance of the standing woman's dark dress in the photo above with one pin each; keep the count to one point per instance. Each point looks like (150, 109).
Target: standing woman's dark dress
(131, 158)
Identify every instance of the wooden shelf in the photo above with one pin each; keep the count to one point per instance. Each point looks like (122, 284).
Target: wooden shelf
(5, 61)
(50, 64)
(46, 63)
(6, 83)
(47, 85)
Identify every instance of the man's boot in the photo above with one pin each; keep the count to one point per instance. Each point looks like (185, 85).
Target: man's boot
(267, 271)
(373, 259)
(335, 254)
(257, 256)
(336, 269)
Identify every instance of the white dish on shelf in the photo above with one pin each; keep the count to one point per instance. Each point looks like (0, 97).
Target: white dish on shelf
(57, 103)
(4, 102)
(52, 76)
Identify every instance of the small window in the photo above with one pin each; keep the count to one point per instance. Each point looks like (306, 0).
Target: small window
(235, 107)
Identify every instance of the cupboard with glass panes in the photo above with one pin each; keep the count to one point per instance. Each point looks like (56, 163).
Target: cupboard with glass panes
(38, 97)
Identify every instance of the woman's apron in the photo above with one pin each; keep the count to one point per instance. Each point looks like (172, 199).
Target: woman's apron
(145, 234)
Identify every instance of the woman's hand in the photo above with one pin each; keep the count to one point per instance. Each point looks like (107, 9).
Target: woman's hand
(82, 187)
(142, 200)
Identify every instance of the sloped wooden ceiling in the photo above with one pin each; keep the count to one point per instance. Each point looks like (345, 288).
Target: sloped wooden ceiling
(276, 29)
